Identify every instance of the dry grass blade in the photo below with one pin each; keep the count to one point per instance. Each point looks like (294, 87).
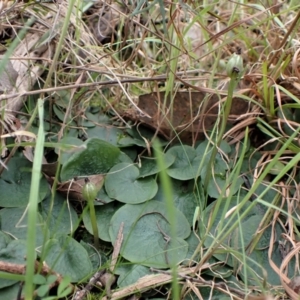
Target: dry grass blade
(286, 281)
(148, 282)
(238, 23)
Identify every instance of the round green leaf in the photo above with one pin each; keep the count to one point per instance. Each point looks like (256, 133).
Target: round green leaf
(5, 239)
(269, 196)
(130, 152)
(62, 98)
(15, 184)
(186, 163)
(64, 148)
(146, 234)
(14, 252)
(123, 184)
(124, 158)
(218, 168)
(257, 267)
(128, 141)
(108, 133)
(90, 119)
(249, 264)
(205, 148)
(150, 165)
(11, 292)
(217, 224)
(104, 214)
(60, 114)
(61, 217)
(14, 222)
(184, 197)
(97, 158)
(218, 270)
(102, 198)
(130, 274)
(216, 184)
(193, 242)
(98, 258)
(67, 257)
(138, 136)
(246, 232)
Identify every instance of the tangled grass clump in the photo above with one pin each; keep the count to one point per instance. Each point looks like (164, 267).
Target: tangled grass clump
(115, 66)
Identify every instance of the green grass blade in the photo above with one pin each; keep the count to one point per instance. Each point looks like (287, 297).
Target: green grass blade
(33, 204)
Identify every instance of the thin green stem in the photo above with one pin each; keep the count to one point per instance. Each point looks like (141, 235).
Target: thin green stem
(227, 107)
(94, 223)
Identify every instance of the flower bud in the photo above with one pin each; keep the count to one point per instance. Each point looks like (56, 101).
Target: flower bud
(89, 191)
(234, 66)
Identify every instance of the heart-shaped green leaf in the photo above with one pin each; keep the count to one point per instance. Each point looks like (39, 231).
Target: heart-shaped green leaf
(205, 148)
(150, 166)
(98, 257)
(215, 219)
(138, 135)
(185, 197)
(65, 150)
(61, 217)
(123, 184)
(15, 184)
(15, 253)
(11, 292)
(130, 274)
(14, 222)
(106, 133)
(216, 184)
(147, 233)
(104, 214)
(256, 267)
(67, 257)
(187, 162)
(97, 158)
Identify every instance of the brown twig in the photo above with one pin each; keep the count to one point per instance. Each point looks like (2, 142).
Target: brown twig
(92, 282)
(21, 268)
